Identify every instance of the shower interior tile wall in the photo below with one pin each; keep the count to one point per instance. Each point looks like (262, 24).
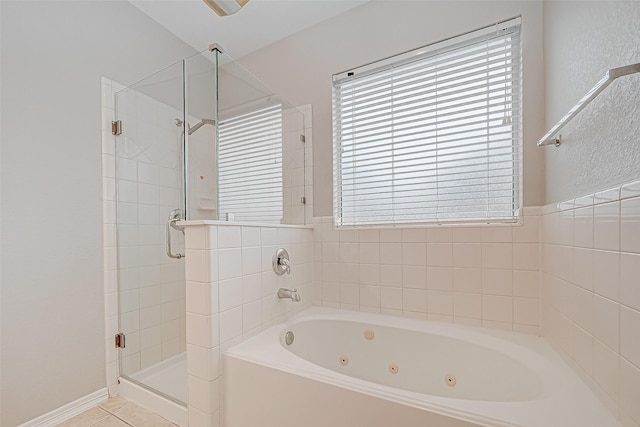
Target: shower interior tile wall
(140, 194)
(483, 276)
(591, 292)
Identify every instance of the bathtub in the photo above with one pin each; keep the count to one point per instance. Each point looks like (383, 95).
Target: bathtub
(340, 368)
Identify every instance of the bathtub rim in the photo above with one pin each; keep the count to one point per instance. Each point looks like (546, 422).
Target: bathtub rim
(475, 411)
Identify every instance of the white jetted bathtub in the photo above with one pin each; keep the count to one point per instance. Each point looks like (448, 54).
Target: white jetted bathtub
(334, 368)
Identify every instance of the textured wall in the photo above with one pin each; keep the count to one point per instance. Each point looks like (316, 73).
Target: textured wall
(600, 146)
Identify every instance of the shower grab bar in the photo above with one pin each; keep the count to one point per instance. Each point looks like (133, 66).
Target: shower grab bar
(175, 216)
(551, 138)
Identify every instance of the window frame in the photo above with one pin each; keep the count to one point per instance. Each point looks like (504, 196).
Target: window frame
(509, 27)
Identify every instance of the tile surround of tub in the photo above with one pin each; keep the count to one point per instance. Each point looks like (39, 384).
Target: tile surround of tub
(231, 296)
(483, 276)
(591, 292)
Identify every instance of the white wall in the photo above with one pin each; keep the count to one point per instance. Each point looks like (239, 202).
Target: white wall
(53, 55)
(300, 67)
(600, 147)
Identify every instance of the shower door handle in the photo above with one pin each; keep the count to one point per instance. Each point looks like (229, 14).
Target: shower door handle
(175, 216)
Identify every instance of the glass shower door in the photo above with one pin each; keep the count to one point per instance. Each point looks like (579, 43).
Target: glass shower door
(149, 187)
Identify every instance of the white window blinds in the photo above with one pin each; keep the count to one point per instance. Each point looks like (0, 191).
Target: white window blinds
(433, 135)
(250, 166)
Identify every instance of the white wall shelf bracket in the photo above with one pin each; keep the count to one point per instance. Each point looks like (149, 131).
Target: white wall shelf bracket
(552, 137)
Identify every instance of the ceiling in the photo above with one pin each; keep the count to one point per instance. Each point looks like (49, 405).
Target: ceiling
(258, 24)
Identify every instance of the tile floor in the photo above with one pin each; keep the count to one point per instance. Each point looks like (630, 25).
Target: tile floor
(117, 412)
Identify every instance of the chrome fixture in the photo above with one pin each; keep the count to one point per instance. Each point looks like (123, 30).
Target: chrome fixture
(200, 124)
(552, 137)
(281, 263)
(175, 216)
(226, 7)
(178, 122)
(116, 127)
(289, 293)
(289, 337)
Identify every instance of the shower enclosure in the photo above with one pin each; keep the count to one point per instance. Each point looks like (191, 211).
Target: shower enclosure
(202, 139)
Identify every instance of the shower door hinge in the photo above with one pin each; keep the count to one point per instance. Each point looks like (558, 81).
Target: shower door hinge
(116, 127)
(119, 340)
(303, 139)
(303, 200)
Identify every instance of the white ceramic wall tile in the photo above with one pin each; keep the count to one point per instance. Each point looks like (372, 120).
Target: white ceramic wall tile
(202, 330)
(629, 284)
(369, 274)
(390, 236)
(526, 311)
(370, 295)
(467, 235)
(606, 326)
(630, 389)
(467, 305)
(468, 255)
(391, 252)
(229, 237)
(497, 234)
(391, 275)
(497, 255)
(526, 256)
(606, 280)
(229, 263)
(606, 368)
(497, 282)
(629, 330)
(440, 303)
(414, 300)
(630, 225)
(369, 253)
(583, 227)
(467, 280)
(497, 308)
(414, 277)
(526, 283)
(230, 293)
(251, 260)
(204, 395)
(528, 232)
(606, 226)
(440, 254)
(605, 277)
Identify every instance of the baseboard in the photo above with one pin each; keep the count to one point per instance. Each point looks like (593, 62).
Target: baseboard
(69, 410)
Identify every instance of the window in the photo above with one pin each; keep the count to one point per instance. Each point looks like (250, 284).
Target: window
(431, 135)
(250, 166)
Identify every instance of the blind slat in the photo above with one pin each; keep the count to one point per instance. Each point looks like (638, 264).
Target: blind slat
(250, 166)
(431, 139)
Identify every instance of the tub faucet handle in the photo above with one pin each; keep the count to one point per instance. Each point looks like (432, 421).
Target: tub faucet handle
(286, 264)
(281, 263)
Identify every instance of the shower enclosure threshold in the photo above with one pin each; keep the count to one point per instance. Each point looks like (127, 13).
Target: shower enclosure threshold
(161, 388)
(168, 377)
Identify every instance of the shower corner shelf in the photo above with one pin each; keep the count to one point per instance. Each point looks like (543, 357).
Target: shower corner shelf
(552, 137)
